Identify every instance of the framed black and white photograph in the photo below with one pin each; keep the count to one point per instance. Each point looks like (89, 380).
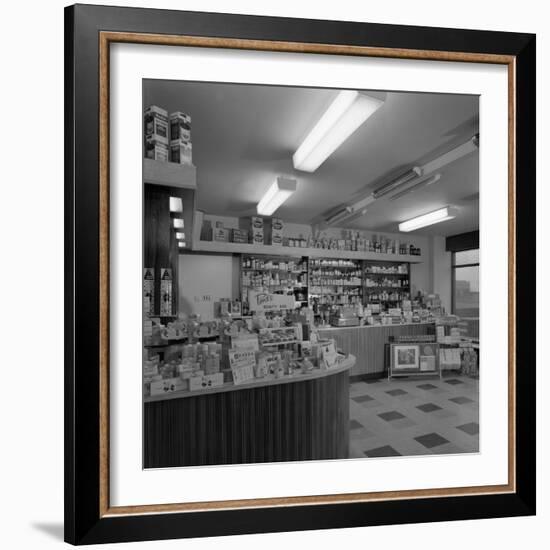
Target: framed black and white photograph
(406, 357)
(293, 279)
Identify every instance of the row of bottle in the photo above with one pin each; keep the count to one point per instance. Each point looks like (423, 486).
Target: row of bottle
(386, 296)
(293, 266)
(393, 282)
(329, 272)
(376, 269)
(336, 291)
(332, 281)
(273, 279)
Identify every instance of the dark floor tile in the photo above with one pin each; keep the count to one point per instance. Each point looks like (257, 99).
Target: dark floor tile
(391, 415)
(454, 382)
(427, 387)
(396, 392)
(362, 398)
(461, 400)
(472, 428)
(387, 450)
(428, 407)
(354, 425)
(431, 440)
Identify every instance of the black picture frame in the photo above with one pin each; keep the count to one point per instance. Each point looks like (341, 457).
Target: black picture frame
(84, 522)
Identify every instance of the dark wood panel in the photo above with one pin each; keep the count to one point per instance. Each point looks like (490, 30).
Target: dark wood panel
(368, 343)
(160, 247)
(301, 421)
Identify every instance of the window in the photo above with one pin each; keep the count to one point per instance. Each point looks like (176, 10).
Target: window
(465, 281)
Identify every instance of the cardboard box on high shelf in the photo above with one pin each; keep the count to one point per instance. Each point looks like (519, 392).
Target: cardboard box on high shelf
(255, 226)
(239, 236)
(220, 234)
(180, 127)
(155, 124)
(156, 150)
(274, 232)
(181, 153)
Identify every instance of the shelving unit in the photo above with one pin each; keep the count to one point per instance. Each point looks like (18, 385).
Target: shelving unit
(385, 282)
(275, 274)
(335, 282)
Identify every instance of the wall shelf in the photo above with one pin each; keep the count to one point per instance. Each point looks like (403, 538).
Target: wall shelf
(272, 250)
(170, 174)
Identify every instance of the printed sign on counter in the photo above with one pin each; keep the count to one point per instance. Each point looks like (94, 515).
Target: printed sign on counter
(264, 301)
(242, 363)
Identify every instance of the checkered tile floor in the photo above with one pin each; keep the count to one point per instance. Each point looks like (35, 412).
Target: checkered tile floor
(414, 416)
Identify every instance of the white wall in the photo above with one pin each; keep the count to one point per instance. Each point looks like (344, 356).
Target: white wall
(32, 476)
(204, 279)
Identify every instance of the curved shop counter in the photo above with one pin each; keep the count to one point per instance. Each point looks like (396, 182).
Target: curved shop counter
(368, 343)
(297, 417)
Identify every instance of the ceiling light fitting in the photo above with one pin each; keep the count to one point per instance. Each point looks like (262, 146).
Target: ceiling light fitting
(430, 218)
(279, 191)
(345, 114)
(422, 183)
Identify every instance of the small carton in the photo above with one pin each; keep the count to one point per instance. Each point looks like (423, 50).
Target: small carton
(180, 127)
(275, 232)
(207, 381)
(220, 234)
(156, 150)
(168, 385)
(155, 124)
(181, 152)
(239, 235)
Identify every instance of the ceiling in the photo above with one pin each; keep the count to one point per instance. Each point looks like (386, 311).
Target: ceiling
(244, 136)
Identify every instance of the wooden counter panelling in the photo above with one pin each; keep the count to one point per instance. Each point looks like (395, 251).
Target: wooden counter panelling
(367, 343)
(306, 420)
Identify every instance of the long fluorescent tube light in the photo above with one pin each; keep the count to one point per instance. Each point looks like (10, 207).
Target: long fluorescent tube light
(346, 113)
(422, 183)
(408, 176)
(340, 215)
(278, 192)
(436, 216)
(452, 155)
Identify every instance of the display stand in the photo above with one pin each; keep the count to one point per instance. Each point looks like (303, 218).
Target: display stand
(414, 359)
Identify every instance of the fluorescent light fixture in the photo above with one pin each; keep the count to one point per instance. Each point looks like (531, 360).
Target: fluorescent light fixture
(422, 183)
(346, 113)
(278, 192)
(436, 216)
(340, 215)
(182, 244)
(392, 185)
(178, 223)
(452, 155)
(180, 236)
(176, 204)
(361, 204)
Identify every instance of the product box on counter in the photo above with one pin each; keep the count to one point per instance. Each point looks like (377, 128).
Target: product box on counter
(181, 152)
(207, 381)
(168, 385)
(155, 149)
(155, 124)
(180, 127)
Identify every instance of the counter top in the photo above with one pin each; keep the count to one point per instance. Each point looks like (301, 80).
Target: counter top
(328, 327)
(345, 364)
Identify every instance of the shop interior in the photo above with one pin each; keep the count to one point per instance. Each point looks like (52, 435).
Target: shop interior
(310, 274)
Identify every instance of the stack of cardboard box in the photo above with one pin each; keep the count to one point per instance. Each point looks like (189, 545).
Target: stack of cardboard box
(180, 138)
(156, 131)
